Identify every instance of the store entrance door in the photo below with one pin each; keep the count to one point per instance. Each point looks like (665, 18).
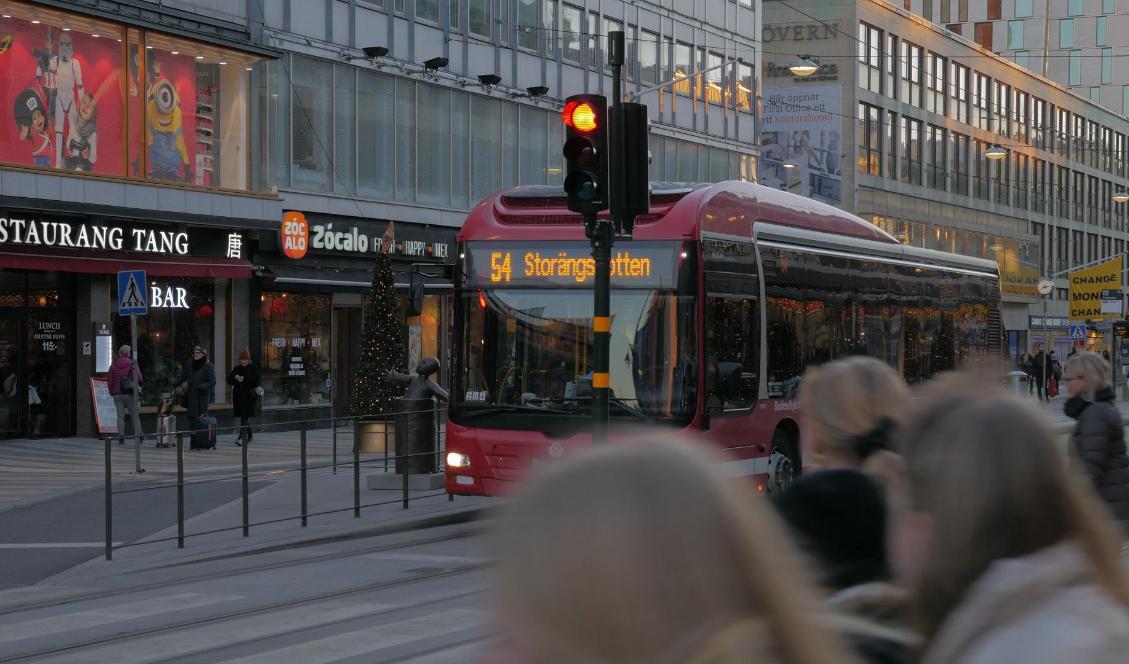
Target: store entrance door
(347, 349)
(36, 394)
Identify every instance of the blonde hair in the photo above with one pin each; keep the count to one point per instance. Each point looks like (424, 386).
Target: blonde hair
(986, 469)
(847, 399)
(643, 553)
(1094, 371)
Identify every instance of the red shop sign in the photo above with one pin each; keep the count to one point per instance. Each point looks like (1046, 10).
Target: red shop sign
(295, 234)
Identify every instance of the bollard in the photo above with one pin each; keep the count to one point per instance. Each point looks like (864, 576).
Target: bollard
(246, 492)
(109, 506)
(356, 483)
(179, 490)
(405, 476)
(333, 428)
(303, 452)
(1017, 383)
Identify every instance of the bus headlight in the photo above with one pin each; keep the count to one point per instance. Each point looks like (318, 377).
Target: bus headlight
(456, 460)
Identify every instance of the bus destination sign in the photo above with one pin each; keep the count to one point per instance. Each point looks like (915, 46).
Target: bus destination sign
(500, 264)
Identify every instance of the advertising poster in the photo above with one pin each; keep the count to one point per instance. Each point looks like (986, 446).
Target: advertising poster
(61, 95)
(170, 115)
(1086, 288)
(801, 141)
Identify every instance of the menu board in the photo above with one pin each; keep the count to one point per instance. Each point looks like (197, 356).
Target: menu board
(105, 412)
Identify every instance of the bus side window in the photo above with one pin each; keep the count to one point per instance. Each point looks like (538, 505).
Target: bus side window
(732, 355)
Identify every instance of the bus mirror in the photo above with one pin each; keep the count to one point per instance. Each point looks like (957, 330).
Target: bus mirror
(729, 380)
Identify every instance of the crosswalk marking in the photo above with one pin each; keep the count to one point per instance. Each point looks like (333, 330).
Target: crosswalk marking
(424, 558)
(190, 640)
(108, 615)
(370, 639)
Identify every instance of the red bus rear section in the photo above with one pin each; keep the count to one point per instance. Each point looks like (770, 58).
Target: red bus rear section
(725, 293)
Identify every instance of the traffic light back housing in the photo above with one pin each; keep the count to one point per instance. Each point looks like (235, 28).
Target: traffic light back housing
(631, 194)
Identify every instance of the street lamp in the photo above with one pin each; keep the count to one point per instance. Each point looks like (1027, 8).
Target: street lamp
(788, 164)
(1121, 196)
(803, 67)
(995, 153)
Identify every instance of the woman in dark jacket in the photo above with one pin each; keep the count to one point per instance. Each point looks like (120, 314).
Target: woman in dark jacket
(200, 377)
(1098, 441)
(244, 381)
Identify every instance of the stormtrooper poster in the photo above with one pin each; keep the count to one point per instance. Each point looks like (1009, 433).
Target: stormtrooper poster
(62, 93)
(801, 141)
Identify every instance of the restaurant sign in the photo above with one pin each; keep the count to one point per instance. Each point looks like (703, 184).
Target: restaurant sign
(73, 234)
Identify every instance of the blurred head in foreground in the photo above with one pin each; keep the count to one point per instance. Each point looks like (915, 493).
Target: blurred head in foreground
(642, 553)
(993, 518)
(850, 408)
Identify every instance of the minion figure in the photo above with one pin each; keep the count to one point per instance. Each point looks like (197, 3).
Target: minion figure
(164, 135)
(31, 121)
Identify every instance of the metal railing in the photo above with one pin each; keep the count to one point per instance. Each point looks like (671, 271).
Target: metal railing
(302, 468)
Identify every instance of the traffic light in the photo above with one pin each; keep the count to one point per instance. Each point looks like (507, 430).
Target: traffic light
(631, 184)
(586, 153)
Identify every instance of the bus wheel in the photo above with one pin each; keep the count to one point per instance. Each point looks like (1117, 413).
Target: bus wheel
(783, 465)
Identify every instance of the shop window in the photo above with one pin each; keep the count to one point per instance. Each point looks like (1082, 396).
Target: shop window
(311, 159)
(181, 315)
(376, 131)
(296, 348)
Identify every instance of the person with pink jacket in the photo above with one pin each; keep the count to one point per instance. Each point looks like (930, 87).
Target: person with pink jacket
(123, 379)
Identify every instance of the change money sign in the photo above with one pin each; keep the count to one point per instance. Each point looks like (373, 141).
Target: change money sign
(1086, 288)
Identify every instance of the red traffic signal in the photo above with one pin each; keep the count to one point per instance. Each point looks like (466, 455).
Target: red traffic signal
(581, 116)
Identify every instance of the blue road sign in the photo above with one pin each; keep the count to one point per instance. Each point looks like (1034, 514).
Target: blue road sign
(1077, 332)
(132, 293)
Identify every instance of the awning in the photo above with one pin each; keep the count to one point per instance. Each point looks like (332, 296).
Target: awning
(344, 277)
(99, 262)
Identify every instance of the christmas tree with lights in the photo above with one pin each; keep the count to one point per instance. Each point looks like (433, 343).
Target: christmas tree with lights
(382, 342)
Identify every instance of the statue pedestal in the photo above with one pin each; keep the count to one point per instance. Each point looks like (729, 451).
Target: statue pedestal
(416, 448)
(395, 482)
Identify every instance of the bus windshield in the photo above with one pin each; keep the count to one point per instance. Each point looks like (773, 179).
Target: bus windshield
(531, 350)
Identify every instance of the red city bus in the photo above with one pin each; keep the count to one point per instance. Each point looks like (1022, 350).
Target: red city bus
(725, 293)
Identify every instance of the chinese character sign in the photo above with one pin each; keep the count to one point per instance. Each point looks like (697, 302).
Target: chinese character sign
(234, 245)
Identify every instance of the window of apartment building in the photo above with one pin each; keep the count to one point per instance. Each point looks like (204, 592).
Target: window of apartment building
(1039, 188)
(1001, 180)
(958, 92)
(745, 86)
(453, 14)
(1023, 59)
(1062, 192)
(1077, 247)
(1109, 6)
(1091, 246)
(612, 25)
(1062, 131)
(528, 18)
(1075, 67)
(910, 56)
(1001, 108)
(980, 164)
(1038, 122)
(1022, 117)
(1095, 93)
(1079, 189)
(344, 125)
(682, 68)
(1092, 139)
(311, 163)
(1015, 34)
(993, 10)
(480, 23)
(955, 28)
(549, 27)
(1107, 65)
(592, 40)
(889, 129)
(935, 67)
(427, 10)
(648, 57)
(1066, 33)
(937, 146)
(1074, 8)
(1119, 154)
(889, 82)
(959, 149)
(870, 58)
(714, 81)
(1023, 8)
(1040, 233)
(1106, 199)
(870, 140)
(946, 11)
(980, 100)
(983, 34)
(1022, 180)
(1099, 31)
(1105, 156)
(909, 146)
(962, 11)
(1078, 139)
(570, 34)
(927, 10)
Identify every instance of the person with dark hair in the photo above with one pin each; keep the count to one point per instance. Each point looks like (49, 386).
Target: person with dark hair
(244, 381)
(199, 378)
(838, 518)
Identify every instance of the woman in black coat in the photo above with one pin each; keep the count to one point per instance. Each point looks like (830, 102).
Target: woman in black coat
(244, 381)
(200, 376)
(1098, 441)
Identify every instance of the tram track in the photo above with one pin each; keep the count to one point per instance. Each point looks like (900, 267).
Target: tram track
(268, 608)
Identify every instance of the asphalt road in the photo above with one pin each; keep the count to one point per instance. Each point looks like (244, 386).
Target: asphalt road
(46, 538)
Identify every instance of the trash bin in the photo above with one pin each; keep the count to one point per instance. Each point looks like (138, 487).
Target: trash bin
(1017, 383)
(415, 436)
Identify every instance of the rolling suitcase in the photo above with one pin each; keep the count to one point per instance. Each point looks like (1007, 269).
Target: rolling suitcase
(204, 433)
(166, 430)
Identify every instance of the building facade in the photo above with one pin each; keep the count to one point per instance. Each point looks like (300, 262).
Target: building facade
(919, 108)
(1078, 44)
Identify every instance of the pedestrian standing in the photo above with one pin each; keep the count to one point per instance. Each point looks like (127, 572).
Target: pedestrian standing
(1008, 556)
(1098, 440)
(1027, 366)
(849, 410)
(1040, 372)
(654, 557)
(123, 379)
(199, 379)
(244, 381)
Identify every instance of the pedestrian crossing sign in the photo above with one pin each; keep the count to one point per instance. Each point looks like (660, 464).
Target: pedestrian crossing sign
(131, 293)
(1077, 332)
